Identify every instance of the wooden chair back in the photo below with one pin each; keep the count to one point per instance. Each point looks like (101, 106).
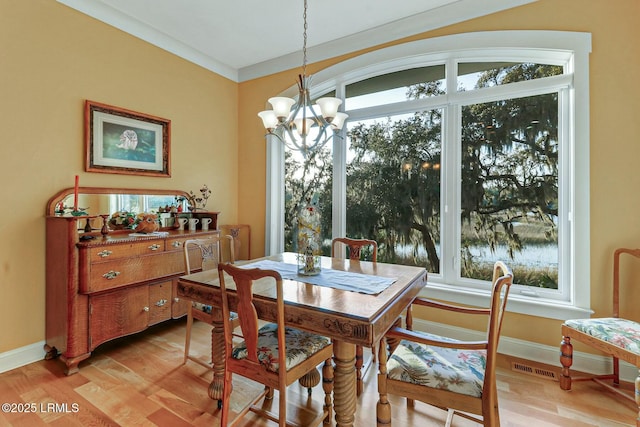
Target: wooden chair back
(241, 293)
(209, 252)
(616, 276)
(354, 247)
(249, 325)
(208, 257)
(240, 235)
(502, 281)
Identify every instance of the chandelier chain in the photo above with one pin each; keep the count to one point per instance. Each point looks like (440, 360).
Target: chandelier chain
(304, 41)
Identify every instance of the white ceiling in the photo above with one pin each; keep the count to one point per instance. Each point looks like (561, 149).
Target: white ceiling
(245, 39)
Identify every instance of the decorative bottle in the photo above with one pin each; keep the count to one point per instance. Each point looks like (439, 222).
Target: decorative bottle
(309, 239)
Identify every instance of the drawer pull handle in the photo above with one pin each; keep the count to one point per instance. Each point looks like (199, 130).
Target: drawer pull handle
(145, 308)
(176, 244)
(176, 299)
(154, 247)
(110, 275)
(161, 302)
(105, 253)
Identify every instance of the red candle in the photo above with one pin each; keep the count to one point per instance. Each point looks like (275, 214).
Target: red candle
(75, 196)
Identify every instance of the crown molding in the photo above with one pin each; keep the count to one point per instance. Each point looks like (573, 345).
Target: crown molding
(448, 14)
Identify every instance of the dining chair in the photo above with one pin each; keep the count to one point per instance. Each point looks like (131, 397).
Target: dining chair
(459, 376)
(617, 337)
(241, 236)
(354, 251)
(273, 354)
(354, 247)
(209, 257)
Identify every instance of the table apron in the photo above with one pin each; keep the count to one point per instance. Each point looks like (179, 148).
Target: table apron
(387, 318)
(334, 325)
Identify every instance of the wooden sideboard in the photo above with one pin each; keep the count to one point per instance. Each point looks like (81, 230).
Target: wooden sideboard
(106, 287)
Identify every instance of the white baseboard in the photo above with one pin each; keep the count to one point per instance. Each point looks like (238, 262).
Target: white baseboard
(584, 362)
(21, 356)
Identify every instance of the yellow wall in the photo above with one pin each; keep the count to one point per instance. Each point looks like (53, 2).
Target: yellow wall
(52, 58)
(615, 146)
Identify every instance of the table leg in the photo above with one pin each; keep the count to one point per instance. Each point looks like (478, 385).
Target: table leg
(217, 356)
(344, 392)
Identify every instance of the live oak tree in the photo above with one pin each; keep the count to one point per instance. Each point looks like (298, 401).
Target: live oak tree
(508, 170)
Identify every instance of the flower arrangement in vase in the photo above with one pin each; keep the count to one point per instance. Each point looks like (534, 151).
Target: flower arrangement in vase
(122, 219)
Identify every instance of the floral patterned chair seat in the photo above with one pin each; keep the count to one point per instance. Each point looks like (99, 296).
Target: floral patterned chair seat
(300, 345)
(621, 332)
(460, 371)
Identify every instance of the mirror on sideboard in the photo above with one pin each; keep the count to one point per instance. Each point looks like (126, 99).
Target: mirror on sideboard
(100, 200)
(96, 201)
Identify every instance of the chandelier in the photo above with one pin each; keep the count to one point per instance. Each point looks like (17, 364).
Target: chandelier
(299, 124)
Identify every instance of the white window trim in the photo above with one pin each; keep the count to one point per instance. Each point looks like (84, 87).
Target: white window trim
(557, 44)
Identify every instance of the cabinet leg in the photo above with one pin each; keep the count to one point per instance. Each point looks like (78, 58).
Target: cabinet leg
(73, 362)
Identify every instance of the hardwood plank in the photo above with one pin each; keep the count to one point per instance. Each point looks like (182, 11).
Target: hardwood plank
(140, 380)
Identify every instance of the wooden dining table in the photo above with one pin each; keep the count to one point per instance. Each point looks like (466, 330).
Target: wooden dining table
(349, 318)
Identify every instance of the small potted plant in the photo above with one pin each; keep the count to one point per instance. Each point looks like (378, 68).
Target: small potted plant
(196, 202)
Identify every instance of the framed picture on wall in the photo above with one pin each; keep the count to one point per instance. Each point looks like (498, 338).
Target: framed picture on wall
(126, 142)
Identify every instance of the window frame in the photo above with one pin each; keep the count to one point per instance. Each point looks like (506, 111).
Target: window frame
(569, 49)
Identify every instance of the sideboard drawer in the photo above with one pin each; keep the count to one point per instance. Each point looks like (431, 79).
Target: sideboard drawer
(119, 251)
(176, 244)
(113, 274)
(160, 302)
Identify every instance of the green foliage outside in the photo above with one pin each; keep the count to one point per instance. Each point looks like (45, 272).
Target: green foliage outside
(509, 180)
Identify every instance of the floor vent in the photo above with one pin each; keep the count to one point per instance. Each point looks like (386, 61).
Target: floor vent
(537, 372)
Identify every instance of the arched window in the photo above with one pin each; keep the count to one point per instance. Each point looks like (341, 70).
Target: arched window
(458, 151)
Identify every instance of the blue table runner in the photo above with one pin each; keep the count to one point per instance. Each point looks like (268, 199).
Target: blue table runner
(337, 279)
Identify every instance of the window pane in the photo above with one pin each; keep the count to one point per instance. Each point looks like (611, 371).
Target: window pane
(395, 87)
(128, 202)
(393, 186)
(307, 179)
(476, 75)
(154, 203)
(509, 189)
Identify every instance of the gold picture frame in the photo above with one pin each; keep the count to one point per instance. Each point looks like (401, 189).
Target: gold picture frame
(122, 141)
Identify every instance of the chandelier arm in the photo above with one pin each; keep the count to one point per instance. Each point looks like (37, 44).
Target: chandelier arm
(291, 142)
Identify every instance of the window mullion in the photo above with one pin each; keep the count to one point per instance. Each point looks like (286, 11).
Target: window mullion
(274, 218)
(450, 194)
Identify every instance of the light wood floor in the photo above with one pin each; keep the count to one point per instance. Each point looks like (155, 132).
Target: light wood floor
(141, 381)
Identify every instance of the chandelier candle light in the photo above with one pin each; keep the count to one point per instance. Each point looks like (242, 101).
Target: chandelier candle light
(299, 124)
